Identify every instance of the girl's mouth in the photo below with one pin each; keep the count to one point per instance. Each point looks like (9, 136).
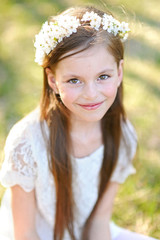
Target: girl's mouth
(91, 106)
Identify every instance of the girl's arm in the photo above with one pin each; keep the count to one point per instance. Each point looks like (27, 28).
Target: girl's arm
(100, 224)
(24, 213)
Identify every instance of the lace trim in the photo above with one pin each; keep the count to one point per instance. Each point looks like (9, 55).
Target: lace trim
(22, 159)
(19, 166)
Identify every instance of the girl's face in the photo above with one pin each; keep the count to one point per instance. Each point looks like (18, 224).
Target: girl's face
(87, 82)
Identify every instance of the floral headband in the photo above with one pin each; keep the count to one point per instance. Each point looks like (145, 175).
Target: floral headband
(53, 33)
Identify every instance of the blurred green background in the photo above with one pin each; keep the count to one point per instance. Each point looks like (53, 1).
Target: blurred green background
(137, 205)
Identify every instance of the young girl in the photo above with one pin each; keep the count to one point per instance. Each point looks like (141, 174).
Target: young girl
(64, 161)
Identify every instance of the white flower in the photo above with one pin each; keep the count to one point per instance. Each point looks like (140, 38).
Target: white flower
(124, 27)
(125, 37)
(39, 57)
(88, 16)
(110, 28)
(53, 33)
(62, 21)
(107, 21)
(96, 22)
(114, 26)
(93, 18)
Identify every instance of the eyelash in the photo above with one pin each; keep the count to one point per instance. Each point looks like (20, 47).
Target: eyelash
(101, 77)
(74, 79)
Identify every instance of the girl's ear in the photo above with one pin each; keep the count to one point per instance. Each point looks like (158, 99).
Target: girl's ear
(51, 80)
(120, 72)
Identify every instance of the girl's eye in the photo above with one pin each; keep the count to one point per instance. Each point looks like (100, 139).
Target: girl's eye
(74, 81)
(103, 77)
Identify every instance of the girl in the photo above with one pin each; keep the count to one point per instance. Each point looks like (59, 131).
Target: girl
(65, 160)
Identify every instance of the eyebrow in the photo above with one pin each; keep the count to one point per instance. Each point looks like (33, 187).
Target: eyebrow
(70, 75)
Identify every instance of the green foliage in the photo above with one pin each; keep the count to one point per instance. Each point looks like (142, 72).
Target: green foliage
(137, 204)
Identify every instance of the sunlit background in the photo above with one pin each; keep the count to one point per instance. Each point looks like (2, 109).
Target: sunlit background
(137, 205)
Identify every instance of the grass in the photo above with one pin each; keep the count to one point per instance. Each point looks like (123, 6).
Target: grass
(137, 205)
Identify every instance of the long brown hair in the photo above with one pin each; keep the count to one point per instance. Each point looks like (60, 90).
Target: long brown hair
(57, 118)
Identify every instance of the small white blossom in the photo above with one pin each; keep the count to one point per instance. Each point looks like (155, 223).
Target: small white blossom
(39, 57)
(53, 33)
(107, 21)
(88, 16)
(96, 22)
(124, 27)
(125, 36)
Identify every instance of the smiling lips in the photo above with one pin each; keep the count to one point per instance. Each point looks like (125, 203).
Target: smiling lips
(91, 106)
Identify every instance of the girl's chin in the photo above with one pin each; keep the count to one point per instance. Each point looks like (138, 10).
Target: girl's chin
(88, 118)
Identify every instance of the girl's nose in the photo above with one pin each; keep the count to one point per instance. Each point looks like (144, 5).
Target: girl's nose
(90, 90)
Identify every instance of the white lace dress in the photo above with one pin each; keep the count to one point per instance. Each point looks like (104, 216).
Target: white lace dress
(26, 164)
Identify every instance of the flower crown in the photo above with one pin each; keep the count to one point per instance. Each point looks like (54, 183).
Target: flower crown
(53, 33)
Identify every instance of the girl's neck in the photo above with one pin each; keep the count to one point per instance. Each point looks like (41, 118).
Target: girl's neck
(83, 128)
(86, 137)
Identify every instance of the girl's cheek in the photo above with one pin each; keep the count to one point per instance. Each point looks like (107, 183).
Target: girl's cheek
(110, 90)
(68, 94)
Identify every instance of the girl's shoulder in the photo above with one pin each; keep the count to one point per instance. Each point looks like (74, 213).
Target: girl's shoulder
(128, 131)
(20, 164)
(31, 119)
(128, 143)
(27, 128)
(127, 151)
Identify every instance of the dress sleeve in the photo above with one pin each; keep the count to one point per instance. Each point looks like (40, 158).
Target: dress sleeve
(127, 150)
(19, 166)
